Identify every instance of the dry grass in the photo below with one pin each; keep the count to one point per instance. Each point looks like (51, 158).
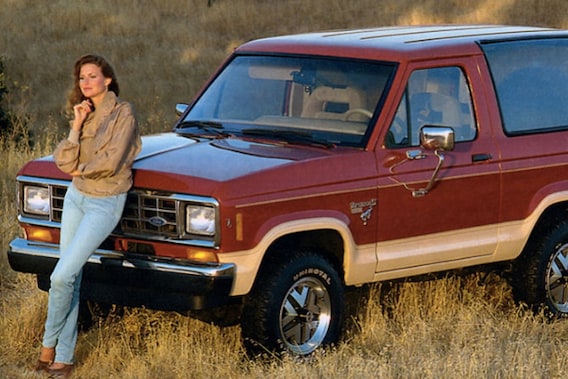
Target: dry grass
(163, 51)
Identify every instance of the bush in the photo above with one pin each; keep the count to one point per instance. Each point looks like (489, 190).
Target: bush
(14, 122)
(4, 124)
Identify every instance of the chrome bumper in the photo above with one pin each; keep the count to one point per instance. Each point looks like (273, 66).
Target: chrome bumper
(135, 280)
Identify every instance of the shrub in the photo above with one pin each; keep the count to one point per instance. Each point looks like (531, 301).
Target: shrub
(4, 124)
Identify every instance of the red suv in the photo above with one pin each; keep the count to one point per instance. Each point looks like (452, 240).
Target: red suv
(311, 163)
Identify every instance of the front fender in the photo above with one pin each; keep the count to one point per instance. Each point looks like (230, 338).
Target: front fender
(358, 262)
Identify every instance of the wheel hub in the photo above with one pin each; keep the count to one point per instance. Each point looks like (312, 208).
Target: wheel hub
(305, 315)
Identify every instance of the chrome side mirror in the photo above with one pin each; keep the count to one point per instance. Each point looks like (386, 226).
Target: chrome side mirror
(437, 138)
(181, 108)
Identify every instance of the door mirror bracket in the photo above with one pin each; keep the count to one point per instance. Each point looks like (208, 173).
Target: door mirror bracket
(437, 139)
(434, 138)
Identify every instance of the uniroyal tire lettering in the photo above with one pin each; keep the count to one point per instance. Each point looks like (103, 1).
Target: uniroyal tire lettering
(313, 271)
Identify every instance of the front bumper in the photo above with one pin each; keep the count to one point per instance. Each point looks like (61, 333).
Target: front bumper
(133, 280)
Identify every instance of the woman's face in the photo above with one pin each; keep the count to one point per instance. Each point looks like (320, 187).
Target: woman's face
(92, 82)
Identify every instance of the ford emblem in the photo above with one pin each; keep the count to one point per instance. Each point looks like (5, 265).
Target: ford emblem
(158, 221)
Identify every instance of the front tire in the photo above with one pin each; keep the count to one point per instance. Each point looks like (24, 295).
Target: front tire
(541, 274)
(296, 306)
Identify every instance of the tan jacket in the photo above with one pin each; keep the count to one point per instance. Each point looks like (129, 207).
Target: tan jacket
(104, 150)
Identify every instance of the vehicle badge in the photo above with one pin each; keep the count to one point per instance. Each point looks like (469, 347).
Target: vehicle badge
(359, 207)
(157, 221)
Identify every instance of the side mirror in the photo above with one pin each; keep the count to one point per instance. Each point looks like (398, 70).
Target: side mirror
(181, 108)
(437, 138)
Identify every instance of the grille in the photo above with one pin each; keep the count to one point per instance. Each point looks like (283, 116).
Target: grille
(150, 214)
(143, 213)
(147, 214)
(57, 195)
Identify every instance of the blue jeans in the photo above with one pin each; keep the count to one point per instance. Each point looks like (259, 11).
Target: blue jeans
(86, 222)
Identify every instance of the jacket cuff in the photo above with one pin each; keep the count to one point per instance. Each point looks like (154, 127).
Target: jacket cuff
(73, 136)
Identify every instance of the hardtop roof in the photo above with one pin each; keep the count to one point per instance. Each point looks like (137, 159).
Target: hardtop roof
(398, 41)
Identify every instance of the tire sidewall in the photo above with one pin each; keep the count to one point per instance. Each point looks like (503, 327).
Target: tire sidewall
(530, 282)
(274, 286)
(557, 239)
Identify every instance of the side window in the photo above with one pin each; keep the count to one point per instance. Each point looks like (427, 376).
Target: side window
(436, 96)
(530, 78)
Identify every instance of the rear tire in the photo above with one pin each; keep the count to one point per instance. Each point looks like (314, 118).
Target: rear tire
(541, 273)
(296, 306)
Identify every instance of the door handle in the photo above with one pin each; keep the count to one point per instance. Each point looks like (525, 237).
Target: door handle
(480, 157)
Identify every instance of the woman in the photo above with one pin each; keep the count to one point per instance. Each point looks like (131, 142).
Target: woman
(98, 154)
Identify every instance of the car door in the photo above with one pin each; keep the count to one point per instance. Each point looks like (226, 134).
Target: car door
(423, 229)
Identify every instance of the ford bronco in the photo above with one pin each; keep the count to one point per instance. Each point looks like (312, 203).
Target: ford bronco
(313, 163)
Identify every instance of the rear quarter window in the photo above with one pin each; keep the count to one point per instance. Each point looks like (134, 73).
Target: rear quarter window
(531, 82)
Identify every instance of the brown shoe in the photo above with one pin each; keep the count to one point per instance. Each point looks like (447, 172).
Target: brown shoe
(41, 365)
(60, 371)
(46, 356)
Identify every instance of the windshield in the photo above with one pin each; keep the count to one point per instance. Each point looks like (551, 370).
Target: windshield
(327, 101)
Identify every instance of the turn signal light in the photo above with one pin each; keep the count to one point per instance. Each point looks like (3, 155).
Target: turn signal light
(202, 256)
(39, 234)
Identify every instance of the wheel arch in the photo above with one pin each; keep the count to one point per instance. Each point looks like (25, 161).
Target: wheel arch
(327, 241)
(551, 215)
(329, 235)
(517, 236)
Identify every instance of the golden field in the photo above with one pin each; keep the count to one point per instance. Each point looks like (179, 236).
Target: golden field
(458, 326)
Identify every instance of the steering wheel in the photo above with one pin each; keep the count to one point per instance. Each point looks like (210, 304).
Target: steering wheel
(360, 111)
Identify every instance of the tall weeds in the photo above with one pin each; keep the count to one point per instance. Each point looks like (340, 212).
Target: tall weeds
(163, 52)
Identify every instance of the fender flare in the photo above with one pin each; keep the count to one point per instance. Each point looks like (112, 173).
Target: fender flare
(248, 262)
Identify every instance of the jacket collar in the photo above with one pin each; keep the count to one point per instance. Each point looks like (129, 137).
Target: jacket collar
(108, 103)
(104, 109)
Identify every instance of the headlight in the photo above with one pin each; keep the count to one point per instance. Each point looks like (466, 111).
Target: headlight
(200, 220)
(36, 200)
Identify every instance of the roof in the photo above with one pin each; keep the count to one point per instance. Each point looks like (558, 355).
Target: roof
(395, 41)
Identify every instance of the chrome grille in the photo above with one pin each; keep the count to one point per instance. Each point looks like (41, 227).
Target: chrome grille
(150, 214)
(147, 214)
(57, 195)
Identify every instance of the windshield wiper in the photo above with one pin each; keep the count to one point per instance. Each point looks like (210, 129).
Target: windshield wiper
(211, 129)
(290, 136)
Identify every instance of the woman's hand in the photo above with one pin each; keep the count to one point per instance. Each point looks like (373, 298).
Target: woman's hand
(81, 112)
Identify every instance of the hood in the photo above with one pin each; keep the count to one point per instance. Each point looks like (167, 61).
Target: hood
(173, 162)
(232, 167)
